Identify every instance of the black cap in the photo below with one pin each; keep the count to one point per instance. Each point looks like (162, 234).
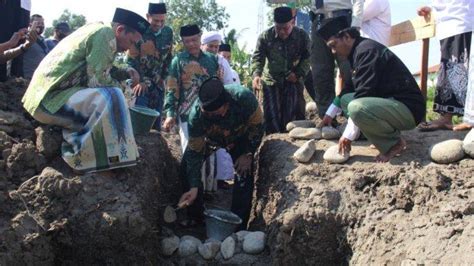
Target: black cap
(62, 26)
(189, 30)
(282, 14)
(224, 47)
(131, 19)
(156, 8)
(212, 94)
(333, 26)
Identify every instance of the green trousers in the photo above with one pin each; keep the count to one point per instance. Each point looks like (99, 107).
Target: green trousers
(379, 119)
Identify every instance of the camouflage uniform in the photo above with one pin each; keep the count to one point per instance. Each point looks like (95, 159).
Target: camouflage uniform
(283, 101)
(151, 58)
(240, 132)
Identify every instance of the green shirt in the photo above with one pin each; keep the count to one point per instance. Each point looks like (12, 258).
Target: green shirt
(240, 130)
(274, 59)
(152, 56)
(186, 74)
(82, 60)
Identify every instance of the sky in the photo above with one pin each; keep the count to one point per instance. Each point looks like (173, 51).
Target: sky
(243, 18)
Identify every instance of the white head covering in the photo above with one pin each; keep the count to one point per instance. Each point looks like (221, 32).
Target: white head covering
(211, 36)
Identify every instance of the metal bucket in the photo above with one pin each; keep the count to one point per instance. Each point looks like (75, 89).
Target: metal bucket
(143, 119)
(220, 224)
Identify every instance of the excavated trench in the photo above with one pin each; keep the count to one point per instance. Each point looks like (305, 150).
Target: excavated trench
(410, 211)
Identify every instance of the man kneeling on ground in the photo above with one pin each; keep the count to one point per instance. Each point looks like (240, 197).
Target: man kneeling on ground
(228, 117)
(387, 98)
(75, 87)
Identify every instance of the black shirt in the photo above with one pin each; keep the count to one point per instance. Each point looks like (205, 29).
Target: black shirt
(378, 72)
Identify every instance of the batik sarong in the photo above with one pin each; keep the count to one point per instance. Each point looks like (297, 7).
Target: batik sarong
(97, 130)
(451, 85)
(281, 105)
(469, 106)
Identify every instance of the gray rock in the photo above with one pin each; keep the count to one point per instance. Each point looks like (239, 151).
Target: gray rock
(48, 141)
(305, 133)
(209, 250)
(228, 248)
(241, 235)
(305, 152)
(330, 133)
(188, 246)
(448, 151)
(169, 245)
(468, 144)
(332, 155)
(300, 123)
(254, 242)
(311, 107)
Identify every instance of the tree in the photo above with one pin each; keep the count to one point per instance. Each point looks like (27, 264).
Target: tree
(75, 21)
(206, 14)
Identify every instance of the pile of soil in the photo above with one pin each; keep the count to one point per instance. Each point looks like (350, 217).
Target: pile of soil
(409, 211)
(50, 215)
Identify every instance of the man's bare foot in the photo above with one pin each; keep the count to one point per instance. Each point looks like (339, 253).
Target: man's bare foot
(394, 151)
(443, 122)
(462, 126)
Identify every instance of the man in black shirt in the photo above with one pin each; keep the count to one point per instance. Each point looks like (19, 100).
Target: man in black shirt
(385, 97)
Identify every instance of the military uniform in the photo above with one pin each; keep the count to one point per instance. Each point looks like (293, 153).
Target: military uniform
(151, 58)
(283, 101)
(240, 132)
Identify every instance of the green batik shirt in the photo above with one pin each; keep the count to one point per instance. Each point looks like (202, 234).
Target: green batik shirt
(240, 131)
(274, 59)
(82, 60)
(186, 74)
(152, 56)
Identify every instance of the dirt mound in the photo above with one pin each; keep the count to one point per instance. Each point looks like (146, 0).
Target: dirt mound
(51, 216)
(409, 211)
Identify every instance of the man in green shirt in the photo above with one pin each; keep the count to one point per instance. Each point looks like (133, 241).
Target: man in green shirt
(76, 87)
(188, 70)
(151, 57)
(286, 50)
(224, 117)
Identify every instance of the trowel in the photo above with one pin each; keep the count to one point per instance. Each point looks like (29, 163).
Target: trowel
(169, 216)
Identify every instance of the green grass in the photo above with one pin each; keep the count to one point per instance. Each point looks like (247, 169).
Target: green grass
(430, 114)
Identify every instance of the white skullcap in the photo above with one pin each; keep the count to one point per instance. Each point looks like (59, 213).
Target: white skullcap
(211, 36)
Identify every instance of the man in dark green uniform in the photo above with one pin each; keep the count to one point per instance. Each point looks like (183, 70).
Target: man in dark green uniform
(227, 117)
(286, 50)
(151, 58)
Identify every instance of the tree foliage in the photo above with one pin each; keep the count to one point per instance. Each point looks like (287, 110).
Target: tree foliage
(207, 14)
(75, 21)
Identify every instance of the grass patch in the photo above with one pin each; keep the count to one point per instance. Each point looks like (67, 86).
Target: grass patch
(430, 114)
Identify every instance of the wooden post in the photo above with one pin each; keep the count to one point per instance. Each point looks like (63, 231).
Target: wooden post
(424, 66)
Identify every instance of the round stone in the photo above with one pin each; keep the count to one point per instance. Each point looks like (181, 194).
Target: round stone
(332, 155)
(448, 151)
(254, 242)
(228, 248)
(300, 123)
(209, 250)
(169, 215)
(330, 133)
(305, 133)
(169, 245)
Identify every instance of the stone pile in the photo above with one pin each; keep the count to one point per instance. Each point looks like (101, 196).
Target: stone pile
(241, 242)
